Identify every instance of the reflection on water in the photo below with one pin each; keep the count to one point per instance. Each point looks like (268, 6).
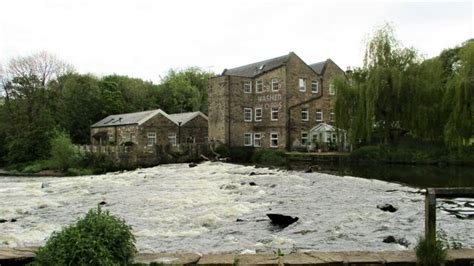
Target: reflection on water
(421, 176)
(215, 208)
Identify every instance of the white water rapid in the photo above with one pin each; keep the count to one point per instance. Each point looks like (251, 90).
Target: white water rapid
(177, 208)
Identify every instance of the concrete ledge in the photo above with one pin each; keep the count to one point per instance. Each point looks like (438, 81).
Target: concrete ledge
(22, 256)
(166, 258)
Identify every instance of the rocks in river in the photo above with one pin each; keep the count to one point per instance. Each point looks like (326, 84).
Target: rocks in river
(389, 239)
(252, 174)
(401, 241)
(252, 183)
(281, 220)
(273, 185)
(228, 187)
(309, 170)
(12, 220)
(102, 202)
(191, 165)
(239, 220)
(387, 207)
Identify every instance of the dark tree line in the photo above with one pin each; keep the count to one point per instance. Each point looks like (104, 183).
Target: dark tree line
(396, 91)
(41, 95)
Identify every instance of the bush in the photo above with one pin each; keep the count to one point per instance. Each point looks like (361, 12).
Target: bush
(97, 239)
(99, 163)
(63, 153)
(269, 157)
(77, 171)
(37, 166)
(241, 154)
(371, 153)
(432, 253)
(223, 150)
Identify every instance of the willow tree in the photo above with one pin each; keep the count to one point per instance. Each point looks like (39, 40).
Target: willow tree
(459, 129)
(380, 87)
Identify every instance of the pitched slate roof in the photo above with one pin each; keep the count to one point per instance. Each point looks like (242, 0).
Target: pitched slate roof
(319, 67)
(183, 118)
(139, 118)
(255, 69)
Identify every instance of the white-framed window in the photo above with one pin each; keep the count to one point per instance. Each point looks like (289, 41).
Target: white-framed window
(302, 84)
(172, 139)
(274, 139)
(257, 139)
(247, 86)
(151, 138)
(274, 114)
(319, 115)
(258, 114)
(259, 86)
(247, 139)
(304, 138)
(314, 86)
(248, 114)
(274, 84)
(304, 114)
(331, 115)
(332, 89)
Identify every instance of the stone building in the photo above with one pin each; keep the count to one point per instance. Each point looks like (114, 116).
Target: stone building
(144, 130)
(273, 103)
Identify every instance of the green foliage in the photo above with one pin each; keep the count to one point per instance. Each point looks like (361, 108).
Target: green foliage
(430, 252)
(79, 171)
(395, 91)
(97, 239)
(269, 157)
(223, 150)
(278, 253)
(37, 166)
(100, 163)
(63, 153)
(241, 154)
(368, 153)
(184, 91)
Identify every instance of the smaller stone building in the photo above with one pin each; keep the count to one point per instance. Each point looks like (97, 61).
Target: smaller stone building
(145, 130)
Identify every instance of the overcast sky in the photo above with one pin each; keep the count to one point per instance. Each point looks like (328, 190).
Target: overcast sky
(146, 38)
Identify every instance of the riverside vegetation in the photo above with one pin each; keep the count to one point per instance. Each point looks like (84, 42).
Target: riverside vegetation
(97, 239)
(397, 96)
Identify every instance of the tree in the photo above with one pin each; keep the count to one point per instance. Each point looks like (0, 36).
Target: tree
(184, 91)
(459, 128)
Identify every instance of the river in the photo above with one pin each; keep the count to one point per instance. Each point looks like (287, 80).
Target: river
(177, 208)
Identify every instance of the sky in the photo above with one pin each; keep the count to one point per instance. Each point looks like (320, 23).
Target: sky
(145, 38)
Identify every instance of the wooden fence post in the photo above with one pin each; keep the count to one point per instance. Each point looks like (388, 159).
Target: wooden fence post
(430, 215)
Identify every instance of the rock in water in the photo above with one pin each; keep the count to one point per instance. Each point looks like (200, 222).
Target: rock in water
(102, 203)
(252, 173)
(387, 208)
(191, 165)
(389, 239)
(252, 183)
(281, 220)
(2, 221)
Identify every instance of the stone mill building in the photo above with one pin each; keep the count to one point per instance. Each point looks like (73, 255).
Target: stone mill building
(274, 103)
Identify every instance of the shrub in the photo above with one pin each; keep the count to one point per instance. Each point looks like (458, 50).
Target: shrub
(97, 239)
(63, 153)
(432, 252)
(79, 171)
(241, 154)
(37, 166)
(371, 153)
(223, 150)
(269, 157)
(99, 163)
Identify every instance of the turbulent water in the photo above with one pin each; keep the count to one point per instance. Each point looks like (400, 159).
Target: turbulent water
(177, 208)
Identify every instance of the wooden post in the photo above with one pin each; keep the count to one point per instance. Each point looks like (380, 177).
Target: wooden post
(430, 215)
